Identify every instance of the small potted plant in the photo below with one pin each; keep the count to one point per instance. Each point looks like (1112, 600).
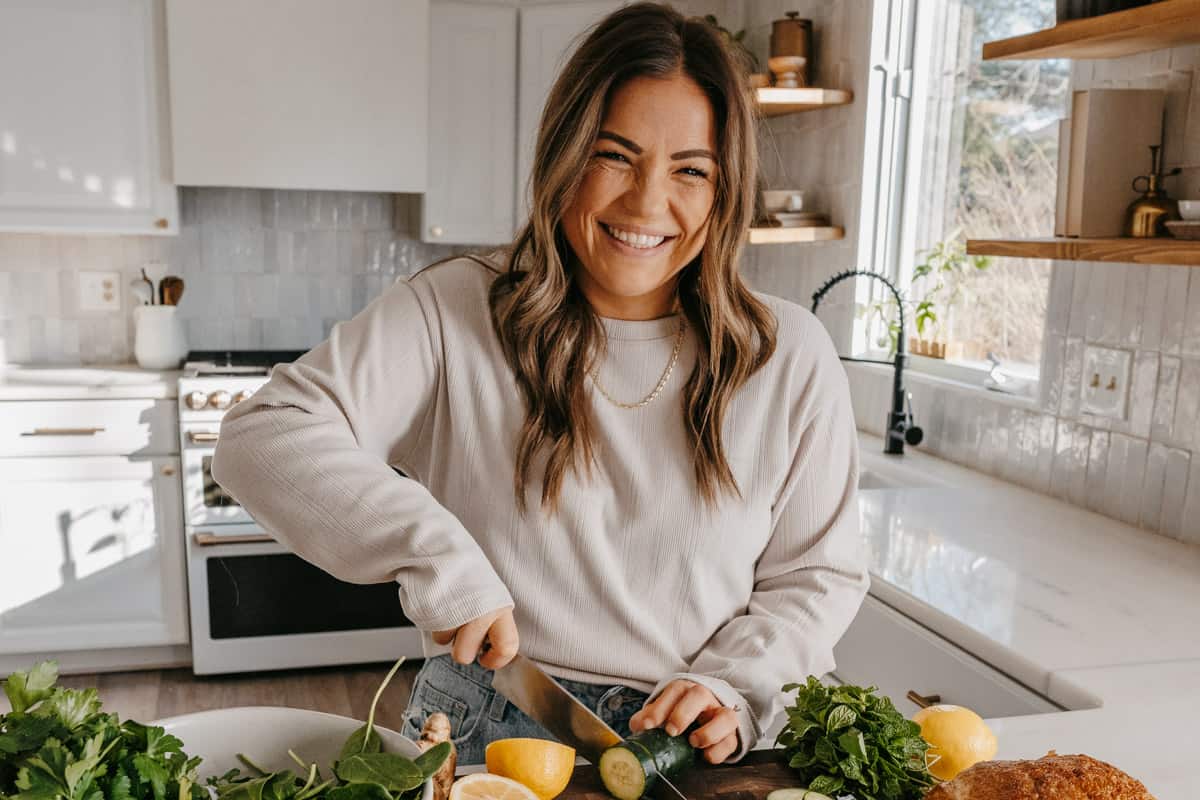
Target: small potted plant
(756, 78)
(942, 279)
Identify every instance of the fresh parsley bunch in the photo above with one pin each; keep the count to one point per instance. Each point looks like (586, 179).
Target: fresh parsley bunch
(848, 740)
(56, 744)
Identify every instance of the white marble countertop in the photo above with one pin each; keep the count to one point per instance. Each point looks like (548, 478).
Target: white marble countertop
(110, 381)
(1084, 609)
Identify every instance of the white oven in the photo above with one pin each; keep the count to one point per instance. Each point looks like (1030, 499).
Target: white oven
(253, 604)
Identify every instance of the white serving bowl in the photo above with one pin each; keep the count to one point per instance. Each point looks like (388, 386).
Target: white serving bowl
(265, 734)
(1190, 210)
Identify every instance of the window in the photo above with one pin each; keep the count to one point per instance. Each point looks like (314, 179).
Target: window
(977, 158)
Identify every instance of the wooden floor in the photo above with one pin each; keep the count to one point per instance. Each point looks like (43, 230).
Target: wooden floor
(154, 694)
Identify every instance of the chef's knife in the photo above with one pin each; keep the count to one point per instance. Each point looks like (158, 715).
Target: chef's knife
(541, 697)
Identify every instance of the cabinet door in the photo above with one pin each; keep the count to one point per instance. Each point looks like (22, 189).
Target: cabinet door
(472, 123)
(83, 123)
(886, 649)
(549, 34)
(303, 94)
(91, 554)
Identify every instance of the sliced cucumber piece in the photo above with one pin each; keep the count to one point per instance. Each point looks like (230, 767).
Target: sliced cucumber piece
(629, 769)
(797, 794)
(626, 774)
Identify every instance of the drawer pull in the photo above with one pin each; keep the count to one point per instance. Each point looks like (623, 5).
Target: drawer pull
(924, 701)
(195, 437)
(63, 432)
(212, 539)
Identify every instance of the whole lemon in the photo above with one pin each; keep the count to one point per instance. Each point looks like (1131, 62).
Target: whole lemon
(958, 738)
(543, 766)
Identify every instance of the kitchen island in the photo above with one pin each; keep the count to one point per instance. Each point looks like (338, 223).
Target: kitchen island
(1099, 617)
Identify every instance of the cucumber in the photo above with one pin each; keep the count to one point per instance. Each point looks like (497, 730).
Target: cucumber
(629, 769)
(796, 794)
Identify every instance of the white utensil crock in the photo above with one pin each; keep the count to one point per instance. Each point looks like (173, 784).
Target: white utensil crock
(159, 341)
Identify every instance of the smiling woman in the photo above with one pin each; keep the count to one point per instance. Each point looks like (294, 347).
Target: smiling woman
(616, 458)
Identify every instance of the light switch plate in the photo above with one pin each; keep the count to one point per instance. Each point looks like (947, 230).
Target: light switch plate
(1106, 381)
(99, 291)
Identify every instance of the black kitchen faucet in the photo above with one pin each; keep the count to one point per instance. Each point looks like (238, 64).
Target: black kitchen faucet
(900, 427)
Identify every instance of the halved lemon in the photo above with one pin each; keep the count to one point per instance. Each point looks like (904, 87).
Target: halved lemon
(542, 765)
(482, 786)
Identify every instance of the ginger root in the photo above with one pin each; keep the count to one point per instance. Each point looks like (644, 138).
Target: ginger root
(435, 731)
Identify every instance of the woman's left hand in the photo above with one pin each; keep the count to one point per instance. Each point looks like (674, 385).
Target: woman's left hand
(679, 705)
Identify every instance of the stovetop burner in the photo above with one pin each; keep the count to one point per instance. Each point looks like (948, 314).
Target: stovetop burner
(237, 362)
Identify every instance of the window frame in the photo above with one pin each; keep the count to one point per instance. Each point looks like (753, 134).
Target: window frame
(895, 139)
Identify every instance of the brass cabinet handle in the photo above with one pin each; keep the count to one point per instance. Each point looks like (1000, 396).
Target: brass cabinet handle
(200, 436)
(161, 223)
(63, 432)
(168, 470)
(211, 539)
(924, 701)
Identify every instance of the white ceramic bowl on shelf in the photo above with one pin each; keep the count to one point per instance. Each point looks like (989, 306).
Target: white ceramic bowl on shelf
(783, 200)
(1190, 210)
(266, 733)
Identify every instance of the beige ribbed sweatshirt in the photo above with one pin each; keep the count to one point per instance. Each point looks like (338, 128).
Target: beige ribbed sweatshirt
(635, 581)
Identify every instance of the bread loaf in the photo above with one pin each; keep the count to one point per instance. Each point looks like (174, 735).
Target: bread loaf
(1052, 777)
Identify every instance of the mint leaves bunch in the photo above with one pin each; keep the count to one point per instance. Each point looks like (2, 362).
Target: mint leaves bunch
(362, 772)
(849, 740)
(57, 744)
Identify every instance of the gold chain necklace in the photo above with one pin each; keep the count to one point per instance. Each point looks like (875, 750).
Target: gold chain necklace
(662, 382)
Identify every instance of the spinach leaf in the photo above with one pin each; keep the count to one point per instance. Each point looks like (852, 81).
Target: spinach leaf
(849, 740)
(432, 759)
(395, 773)
(359, 791)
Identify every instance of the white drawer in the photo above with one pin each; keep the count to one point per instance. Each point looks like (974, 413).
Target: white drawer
(884, 648)
(88, 427)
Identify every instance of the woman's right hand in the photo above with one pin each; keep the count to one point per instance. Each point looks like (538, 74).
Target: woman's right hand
(494, 633)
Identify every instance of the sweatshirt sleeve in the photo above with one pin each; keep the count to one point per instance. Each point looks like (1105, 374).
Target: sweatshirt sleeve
(309, 455)
(812, 576)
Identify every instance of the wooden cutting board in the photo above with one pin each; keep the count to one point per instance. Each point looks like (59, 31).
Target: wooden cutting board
(752, 778)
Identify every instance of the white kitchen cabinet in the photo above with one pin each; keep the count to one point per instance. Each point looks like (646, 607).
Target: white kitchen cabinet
(472, 113)
(886, 649)
(84, 131)
(91, 554)
(307, 94)
(549, 34)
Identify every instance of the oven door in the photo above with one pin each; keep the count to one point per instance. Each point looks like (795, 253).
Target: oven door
(204, 501)
(257, 606)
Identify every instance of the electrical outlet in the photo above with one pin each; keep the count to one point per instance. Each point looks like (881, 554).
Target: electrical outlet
(99, 291)
(1106, 381)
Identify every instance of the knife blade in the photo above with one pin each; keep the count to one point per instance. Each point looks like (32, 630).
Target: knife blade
(529, 688)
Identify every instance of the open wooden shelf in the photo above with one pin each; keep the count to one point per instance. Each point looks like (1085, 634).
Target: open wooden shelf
(1167, 23)
(783, 235)
(1179, 252)
(776, 102)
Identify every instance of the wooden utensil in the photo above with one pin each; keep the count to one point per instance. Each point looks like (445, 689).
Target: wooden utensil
(171, 289)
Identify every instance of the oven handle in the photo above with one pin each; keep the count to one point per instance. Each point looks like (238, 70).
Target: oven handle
(196, 437)
(212, 539)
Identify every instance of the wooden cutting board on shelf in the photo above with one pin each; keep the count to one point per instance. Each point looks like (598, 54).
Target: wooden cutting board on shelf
(752, 778)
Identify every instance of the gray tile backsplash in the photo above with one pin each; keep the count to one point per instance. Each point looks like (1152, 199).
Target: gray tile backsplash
(271, 269)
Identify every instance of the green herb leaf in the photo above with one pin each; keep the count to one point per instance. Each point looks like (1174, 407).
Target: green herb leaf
(363, 740)
(395, 773)
(359, 791)
(432, 759)
(22, 732)
(850, 740)
(25, 689)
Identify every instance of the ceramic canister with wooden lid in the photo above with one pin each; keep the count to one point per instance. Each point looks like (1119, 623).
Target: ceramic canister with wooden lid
(793, 37)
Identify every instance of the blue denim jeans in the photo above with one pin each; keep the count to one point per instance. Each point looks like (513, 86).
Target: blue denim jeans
(479, 714)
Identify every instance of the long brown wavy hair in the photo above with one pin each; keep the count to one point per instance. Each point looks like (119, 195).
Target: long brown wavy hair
(550, 335)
